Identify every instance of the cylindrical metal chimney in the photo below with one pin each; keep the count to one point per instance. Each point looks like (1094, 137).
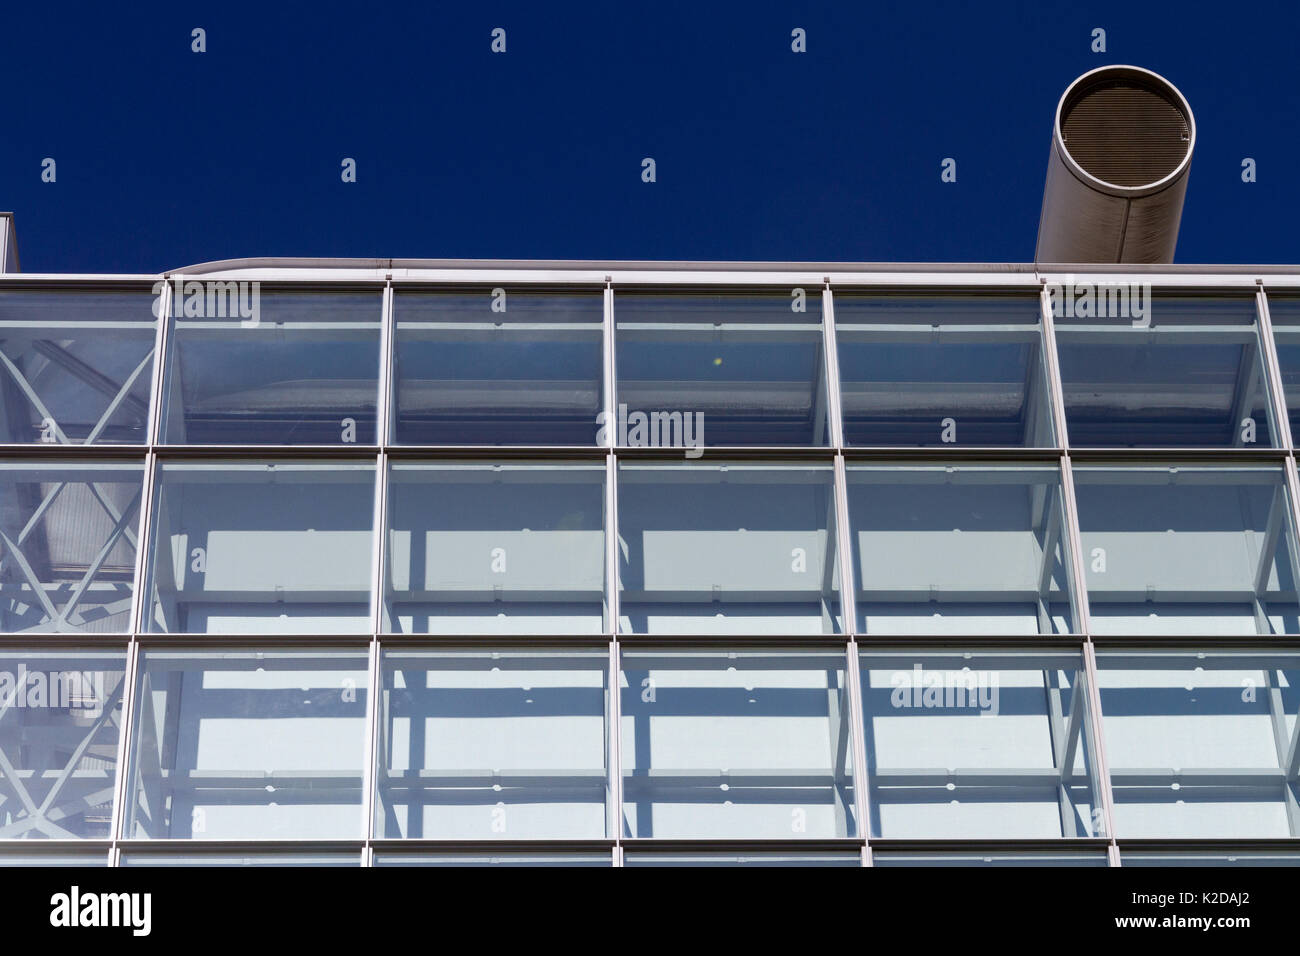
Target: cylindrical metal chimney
(1121, 150)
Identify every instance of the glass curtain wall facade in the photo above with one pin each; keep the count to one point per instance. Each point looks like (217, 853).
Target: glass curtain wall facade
(640, 567)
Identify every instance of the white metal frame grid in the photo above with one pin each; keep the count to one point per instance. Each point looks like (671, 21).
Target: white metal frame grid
(606, 282)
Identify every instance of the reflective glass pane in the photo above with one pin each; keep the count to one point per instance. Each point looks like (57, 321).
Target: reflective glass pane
(987, 745)
(59, 717)
(737, 744)
(757, 858)
(235, 745)
(529, 859)
(498, 367)
(1186, 372)
(1201, 745)
(238, 858)
(76, 366)
(996, 858)
(1234, 858)
(1284, 311)
(495, 548)
(734, 368)
(257, 367)
(959, 550)
(1187, 550)
(68, 545)
(727, 549)
(493, 746)
(25, 858)
(247, 548)
(935, 370)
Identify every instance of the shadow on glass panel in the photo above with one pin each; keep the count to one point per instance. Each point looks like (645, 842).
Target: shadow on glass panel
(727, 549)
(303, 370)
(498, 367)
(988, 745)
(1187, 550)
(959, 550)
(248, 745)
(68, 546)
(1202, 745)
(60, 717)
(741, 368)
(244, 548)
(495, 548)
(739, 744)
(480, 745)
(1192, 375)
(935, 370)
(76, 367)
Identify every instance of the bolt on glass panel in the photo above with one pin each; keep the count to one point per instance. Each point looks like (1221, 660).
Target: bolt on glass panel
(244, 744)
(262, 547)
(1187, 550)
(764, 858)
(1201, 744)
(1162, 371)
(1284, 311)
(703, 369)
(994, 858)
(943, 369)
(727, 549)
(979, 745)
(495, 548)
(741, 744)
(68, 545)
(498, 367)
(255, 367)
(947, 549)
(60, 714)
(76, 366)
(486, 745)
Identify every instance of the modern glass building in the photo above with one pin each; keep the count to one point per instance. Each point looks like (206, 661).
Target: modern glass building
(398, 562)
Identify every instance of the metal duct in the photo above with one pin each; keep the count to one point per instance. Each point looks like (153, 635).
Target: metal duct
(1121, 149)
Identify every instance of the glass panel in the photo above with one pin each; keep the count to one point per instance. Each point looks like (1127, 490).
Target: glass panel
(701, 369)
(243, 548)
(1201, 745)
(25, 858)
(495, 548)
(727, 549)
(498, 367)
(935, 370)
(737, 744)
(1216, 859)
(758, 858)
(385, 858)
(1284, 311)
(59, 718)
(1187, 550)
(76, 367)
(302, 369)
(493, 746)
(991, 858)
(238, 858)
(248, 745)
(1187, 372)
(959, 550)
(987, 745)
(68, 546)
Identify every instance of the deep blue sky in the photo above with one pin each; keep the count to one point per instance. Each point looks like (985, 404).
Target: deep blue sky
(167, 157)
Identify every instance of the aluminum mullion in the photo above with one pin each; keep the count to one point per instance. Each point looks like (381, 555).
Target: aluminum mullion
(387, 348)
(125, 736)
(614, 735)
(370, 766)
(1273, 372)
